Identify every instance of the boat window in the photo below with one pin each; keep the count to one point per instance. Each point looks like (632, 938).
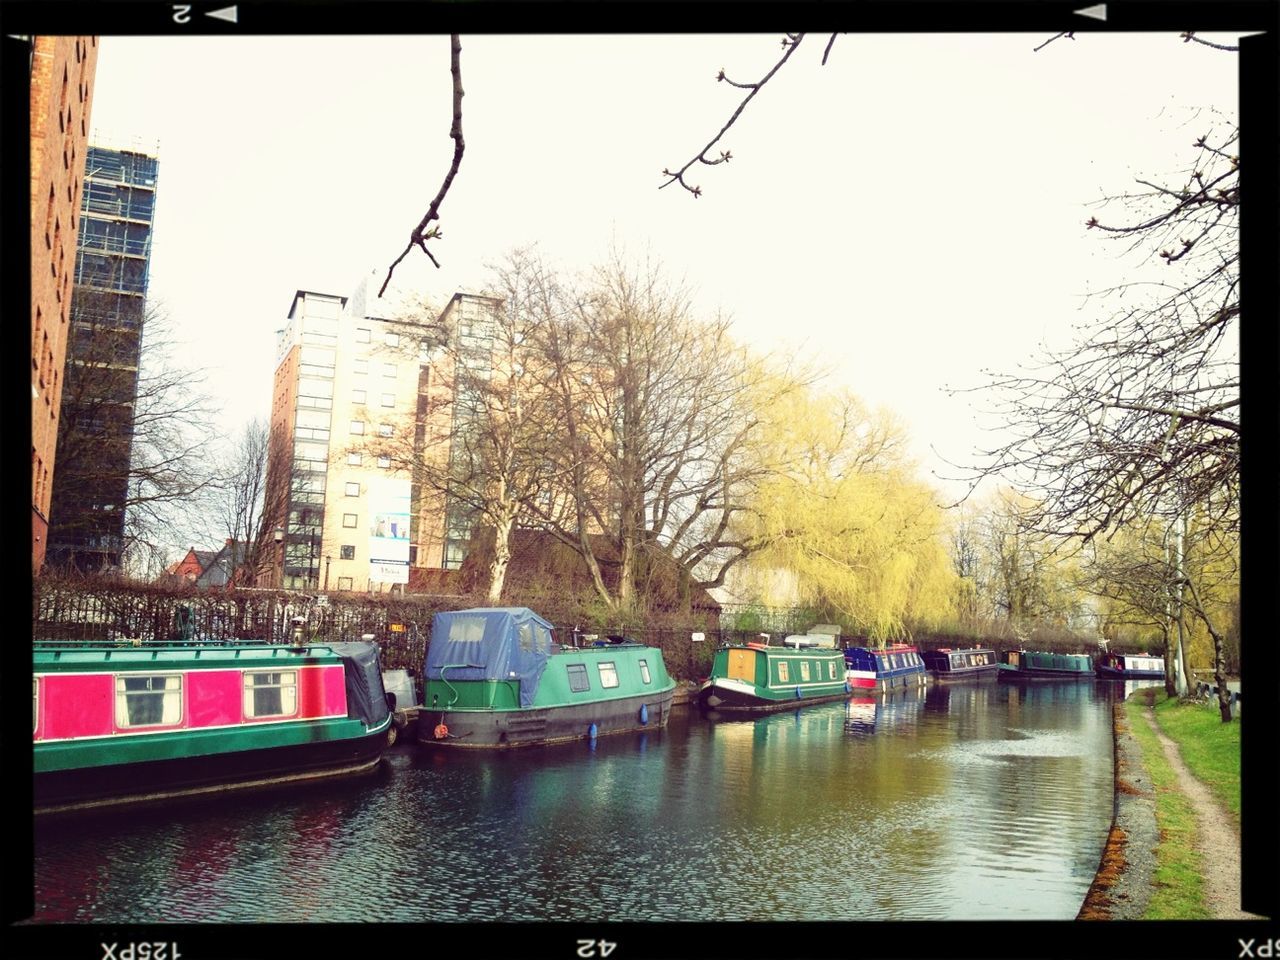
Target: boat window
(831, 670)
(466, 629)
(644, 672)
(578, 680)
(541, 638)
(782, 671)
(270, 693)
(525, 632)
(608, 675)
(804, 670)
(149, 701)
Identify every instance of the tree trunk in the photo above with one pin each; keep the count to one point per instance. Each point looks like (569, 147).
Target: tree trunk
(501, 558)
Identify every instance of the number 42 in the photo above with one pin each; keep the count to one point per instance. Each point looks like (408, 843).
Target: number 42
(595, 948)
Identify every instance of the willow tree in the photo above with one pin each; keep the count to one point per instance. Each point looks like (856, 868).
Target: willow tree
(843, 512)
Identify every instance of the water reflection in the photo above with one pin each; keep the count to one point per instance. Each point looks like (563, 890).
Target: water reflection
(974, 800)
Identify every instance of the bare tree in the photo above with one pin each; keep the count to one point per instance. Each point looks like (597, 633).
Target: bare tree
(135, 432)
(241, 507)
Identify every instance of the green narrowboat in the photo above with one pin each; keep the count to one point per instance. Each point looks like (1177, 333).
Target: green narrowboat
(760, 678)
(1037, 665)
(495, 678)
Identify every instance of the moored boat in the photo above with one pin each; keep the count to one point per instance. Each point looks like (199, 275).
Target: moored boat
(142, 723)
(1130, 666)
(974, 663)
(761, 677)
(495, 678)
(884, 668)
(1039, 665)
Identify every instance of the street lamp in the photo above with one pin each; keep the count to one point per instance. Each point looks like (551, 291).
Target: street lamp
(279, 538)
(327, 560)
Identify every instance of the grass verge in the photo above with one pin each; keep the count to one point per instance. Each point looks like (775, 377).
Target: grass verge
(1209, 747)
(1178, 880)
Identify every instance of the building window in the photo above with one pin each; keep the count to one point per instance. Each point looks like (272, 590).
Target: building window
(384, 429)
(384, 462)
(352, 489)
(354, 459)
(270, 693)
(644, 671)
(149, 701)
(388, 399)
(360, 365)
(782, 671)
(393, 339)
(344, 583)
(358, 396)
(608, 675)
(347, 552)
(362, 334)
(349, 520)
(578, 681)
(389, 370)
(357, 427)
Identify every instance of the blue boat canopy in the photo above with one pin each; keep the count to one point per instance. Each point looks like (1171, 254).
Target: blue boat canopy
(490, 643)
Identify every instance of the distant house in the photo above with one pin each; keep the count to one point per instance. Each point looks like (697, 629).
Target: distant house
(209, 568)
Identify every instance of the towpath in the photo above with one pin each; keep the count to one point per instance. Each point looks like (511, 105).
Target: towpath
(1218, 840)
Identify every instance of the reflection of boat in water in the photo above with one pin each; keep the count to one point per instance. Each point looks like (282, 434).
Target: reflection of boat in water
(948, 665)
(893, 711)
(1130, 666)
(760, 678)
(494, 677)
(1038, 665)
(884, 668)
(118, 725)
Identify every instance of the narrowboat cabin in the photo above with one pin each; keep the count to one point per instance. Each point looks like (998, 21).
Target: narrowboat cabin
(884, 668)
(948, 665)
(757, 678)
(1036, 665)
(1130, 666)
(118, 725)
(496, 678)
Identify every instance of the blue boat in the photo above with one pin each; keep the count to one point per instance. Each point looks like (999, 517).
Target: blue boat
(884, 668)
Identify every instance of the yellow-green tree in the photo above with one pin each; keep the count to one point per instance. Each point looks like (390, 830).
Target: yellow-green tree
(845, 517)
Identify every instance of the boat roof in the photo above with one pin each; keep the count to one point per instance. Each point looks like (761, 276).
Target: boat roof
(74, 653)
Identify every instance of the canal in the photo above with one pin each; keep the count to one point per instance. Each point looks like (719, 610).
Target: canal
(987, 801)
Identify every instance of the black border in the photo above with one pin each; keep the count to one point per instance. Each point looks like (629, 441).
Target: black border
(1260, 366)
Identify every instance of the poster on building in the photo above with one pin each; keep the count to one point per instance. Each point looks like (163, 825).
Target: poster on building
(389, 530)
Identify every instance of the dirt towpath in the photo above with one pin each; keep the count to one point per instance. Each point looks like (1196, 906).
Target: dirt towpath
(1218, 841)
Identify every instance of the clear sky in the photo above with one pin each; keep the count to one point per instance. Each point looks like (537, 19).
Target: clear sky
(909, 214)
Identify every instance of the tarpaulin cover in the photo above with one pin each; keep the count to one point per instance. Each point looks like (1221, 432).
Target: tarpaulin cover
(490, 643)
(366, 699)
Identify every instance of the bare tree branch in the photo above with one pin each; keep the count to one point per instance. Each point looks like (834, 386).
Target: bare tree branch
(421, 234)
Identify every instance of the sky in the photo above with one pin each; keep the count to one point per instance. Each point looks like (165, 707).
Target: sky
(908, 216)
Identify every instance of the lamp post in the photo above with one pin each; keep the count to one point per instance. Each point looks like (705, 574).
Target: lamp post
(327, 560)
(279, 538)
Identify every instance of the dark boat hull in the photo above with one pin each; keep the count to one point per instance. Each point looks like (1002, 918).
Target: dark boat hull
(738, 702)
(984, 672)
(1111, 673)
(533, 726)
(1039, 673)
(152, 781)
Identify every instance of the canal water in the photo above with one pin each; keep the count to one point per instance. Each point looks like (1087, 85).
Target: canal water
(960, 802)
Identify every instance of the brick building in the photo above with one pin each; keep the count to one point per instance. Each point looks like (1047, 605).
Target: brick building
(62, 76)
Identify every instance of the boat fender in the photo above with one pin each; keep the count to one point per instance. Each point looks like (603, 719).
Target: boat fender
(644, 713)
(591, 732)
(799, 695)
(848, 687)
(441, 731)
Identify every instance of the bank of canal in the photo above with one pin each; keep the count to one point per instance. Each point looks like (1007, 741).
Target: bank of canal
(980, 801)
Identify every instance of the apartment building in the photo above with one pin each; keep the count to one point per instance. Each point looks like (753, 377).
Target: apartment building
(104, 350)
(61, 99)
(356, 401)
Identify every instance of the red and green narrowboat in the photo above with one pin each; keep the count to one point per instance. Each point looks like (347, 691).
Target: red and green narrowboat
(760, 677)
(117, 725)
(495, 678)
